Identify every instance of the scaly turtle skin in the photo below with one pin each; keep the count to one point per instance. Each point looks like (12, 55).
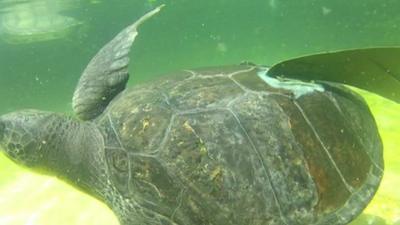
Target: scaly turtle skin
(217, 146)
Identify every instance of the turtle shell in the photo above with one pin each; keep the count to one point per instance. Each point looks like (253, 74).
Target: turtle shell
(229, 145)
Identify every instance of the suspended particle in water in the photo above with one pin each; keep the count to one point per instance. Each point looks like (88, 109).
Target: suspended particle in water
(272, 4)
(326, 10)
(221, 47)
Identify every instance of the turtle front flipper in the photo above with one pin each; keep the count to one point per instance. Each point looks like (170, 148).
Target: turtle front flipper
(372, 69)
(106, 74)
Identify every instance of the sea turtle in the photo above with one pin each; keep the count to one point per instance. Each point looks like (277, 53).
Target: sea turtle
(35, 21)
(227, 145)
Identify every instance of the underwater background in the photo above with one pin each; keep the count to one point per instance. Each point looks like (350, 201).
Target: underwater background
(46, 44)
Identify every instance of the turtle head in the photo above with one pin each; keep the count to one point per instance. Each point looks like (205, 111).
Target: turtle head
(22, 136)
(55, 144)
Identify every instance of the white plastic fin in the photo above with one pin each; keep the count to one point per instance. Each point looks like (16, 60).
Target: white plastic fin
(297, 87)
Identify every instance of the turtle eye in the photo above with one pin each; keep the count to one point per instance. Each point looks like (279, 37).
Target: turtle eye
(120, 161)
(118, 168)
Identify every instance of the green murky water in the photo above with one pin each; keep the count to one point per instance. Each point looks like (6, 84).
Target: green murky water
(45, 44)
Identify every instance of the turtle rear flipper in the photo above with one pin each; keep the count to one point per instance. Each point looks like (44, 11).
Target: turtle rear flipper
(372, 69)
(106, 74)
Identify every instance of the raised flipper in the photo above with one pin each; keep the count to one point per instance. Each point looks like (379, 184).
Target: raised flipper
(373, 69)
(106, 74)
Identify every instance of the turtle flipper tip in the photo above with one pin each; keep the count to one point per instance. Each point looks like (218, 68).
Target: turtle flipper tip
(161, 6)
(148, 15)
